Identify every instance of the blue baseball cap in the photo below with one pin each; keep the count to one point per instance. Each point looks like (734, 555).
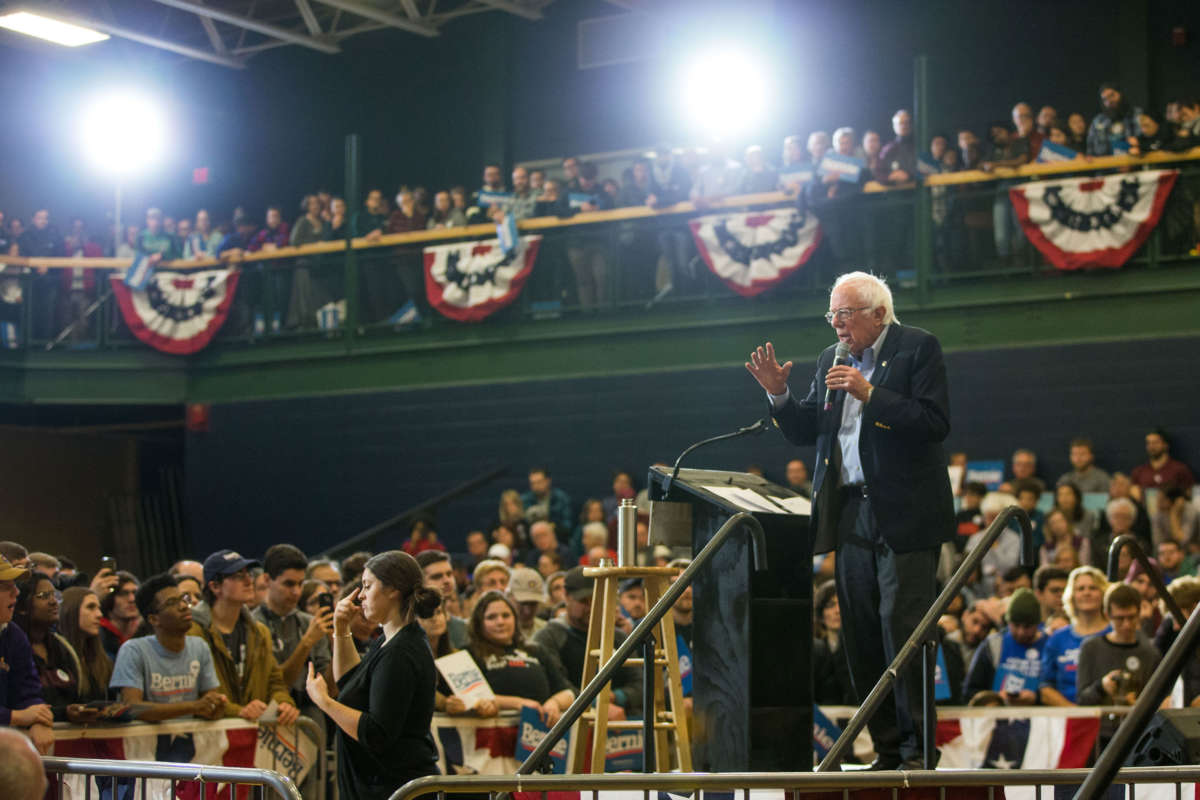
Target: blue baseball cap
(224, 563)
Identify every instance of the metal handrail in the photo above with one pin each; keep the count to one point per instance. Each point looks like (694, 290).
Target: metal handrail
(154, 770)
(833, 758)
(1130, 542)
(367, 537)
(797, 781)
(1157, 687)
(588, 693)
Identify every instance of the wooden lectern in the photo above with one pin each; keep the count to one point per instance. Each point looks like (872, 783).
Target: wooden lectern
(752, 631)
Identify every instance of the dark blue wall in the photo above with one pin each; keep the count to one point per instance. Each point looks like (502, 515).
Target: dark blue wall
(315, 471)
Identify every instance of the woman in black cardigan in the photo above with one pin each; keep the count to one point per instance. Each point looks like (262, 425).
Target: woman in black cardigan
(385, 699)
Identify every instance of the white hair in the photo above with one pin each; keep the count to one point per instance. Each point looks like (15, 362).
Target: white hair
(817, 136)
(871, 290)
(843, 131)
(995, 502)
(1118, 503)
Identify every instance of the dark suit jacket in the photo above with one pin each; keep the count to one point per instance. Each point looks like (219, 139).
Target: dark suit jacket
(900, 443)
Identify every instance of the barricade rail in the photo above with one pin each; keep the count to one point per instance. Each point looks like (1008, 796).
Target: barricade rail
(797, 782)
(312, 729)
(141, 772)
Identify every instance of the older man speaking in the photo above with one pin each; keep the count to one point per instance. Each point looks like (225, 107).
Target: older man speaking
(881, 493)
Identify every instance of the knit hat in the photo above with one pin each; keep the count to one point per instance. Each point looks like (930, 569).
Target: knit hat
(1023, 608)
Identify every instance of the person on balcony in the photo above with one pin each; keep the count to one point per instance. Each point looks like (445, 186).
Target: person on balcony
(1115, 123)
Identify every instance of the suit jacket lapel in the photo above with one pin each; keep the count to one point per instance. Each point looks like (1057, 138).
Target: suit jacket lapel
(884, 359)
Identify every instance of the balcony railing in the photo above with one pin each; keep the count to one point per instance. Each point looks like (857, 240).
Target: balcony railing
(876, 230)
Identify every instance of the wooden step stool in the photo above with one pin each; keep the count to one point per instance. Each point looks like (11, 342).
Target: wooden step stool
(600, 647)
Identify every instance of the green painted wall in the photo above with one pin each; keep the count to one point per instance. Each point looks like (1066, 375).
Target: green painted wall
(981, 315)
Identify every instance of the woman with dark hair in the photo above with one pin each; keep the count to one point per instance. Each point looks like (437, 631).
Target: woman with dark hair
(310, 590)
(1068, 500)
(518, 672)
(386, 697)
(831, 670)
(57, 665)
(445, 700)
(79, 623)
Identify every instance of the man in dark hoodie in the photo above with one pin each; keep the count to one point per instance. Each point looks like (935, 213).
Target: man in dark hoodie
(1117, 121)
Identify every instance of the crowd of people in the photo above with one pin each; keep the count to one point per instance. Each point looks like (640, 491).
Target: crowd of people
(231, 636)
(968, 229)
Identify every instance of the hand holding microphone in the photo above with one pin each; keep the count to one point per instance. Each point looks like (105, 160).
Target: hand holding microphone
(844, 376)
(840, 354)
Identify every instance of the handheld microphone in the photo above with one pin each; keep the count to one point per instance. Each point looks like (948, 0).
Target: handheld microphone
(839, 357)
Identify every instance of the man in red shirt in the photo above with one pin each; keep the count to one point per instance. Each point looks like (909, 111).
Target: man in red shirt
(1160, 470)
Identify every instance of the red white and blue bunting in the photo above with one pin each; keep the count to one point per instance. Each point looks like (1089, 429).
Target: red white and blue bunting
(1092, 222)
(176, 311)
(470, 281)
(753, 252)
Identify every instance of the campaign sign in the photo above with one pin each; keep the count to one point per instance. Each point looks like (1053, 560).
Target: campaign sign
(796, 177)
(1052, 152)
(465, 678)
(490, 198)
(578, 200)
(624, 751)
(926, 164)
(530, 733)
(847, 168)
(825, 733)
(941, 679)
(1120, 146)
(989, 473)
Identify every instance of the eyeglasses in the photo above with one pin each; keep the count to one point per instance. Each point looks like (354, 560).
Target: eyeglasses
(843, 314)
(46, 595)
(180, 601)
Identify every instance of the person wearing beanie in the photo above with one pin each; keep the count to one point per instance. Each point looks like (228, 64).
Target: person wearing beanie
(1010, 660)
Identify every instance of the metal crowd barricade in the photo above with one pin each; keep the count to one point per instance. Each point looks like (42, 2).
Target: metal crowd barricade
(141, 772)
(949, 784)
(284, 752)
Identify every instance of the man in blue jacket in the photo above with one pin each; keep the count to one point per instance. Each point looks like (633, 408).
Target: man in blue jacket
(881, 492)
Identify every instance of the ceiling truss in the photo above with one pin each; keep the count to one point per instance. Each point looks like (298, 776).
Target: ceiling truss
(230, 32)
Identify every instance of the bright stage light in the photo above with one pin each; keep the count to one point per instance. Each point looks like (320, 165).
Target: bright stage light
(52, 30)
(123, 132)
(724, 92)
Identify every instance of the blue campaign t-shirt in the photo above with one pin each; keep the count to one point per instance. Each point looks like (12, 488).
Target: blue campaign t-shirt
(163, 676)
(1019, 666)
(1060, 660)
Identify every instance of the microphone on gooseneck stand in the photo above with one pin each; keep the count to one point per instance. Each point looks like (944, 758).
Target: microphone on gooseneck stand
(839, 357)
(758, 427)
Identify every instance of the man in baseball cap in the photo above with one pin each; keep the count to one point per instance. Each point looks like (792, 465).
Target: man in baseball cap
(564, 640)
(21, 702)
(528, 591)
(224, 563)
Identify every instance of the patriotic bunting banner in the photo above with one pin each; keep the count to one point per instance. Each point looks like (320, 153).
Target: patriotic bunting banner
(229, 743)
(755, 251)
(177, 312)
(1092, 222)
(470, 281)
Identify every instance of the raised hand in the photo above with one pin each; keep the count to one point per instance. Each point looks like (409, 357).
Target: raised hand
(770, 374)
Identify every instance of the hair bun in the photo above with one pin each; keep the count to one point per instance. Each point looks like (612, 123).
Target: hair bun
(426, 601)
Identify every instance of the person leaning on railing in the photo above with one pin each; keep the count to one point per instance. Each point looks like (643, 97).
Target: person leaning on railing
(79, 623)
(21, 702)
(169, 674)
(386, 697)
(58, 666)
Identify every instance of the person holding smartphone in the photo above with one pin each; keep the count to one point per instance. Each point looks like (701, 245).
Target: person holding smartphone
(386, 697)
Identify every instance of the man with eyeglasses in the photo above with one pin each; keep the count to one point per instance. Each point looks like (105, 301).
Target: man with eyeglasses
(241, 646)
(169, 674)
(881, 491)
(1114, 667)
